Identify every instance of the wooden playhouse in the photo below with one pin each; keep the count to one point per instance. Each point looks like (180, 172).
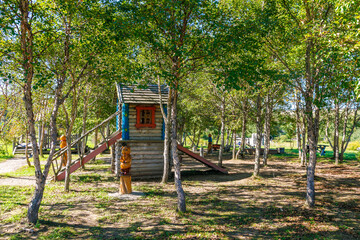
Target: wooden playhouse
(143, 128)
(140, 125)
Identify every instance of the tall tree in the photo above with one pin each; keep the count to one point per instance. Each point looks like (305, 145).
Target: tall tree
(182, 35)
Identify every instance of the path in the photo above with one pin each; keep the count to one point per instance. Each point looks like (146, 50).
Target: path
(12, 164)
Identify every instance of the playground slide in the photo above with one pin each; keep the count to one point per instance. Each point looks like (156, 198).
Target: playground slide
(201, 159)
(91, 155)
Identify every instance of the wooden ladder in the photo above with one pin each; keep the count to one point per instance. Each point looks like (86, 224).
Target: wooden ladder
(59, 170)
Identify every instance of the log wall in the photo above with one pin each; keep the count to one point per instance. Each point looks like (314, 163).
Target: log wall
(147, 158)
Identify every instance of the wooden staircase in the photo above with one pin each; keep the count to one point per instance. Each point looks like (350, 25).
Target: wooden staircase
(59, 170)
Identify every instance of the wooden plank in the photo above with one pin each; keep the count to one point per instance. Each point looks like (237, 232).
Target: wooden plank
(148, 160)
(145, 156)
(140, 149)
(147, 164)
(145, 130)
(152, 168)
(148, 153)
(201, 159)
(146, 173)
(135, 133)
(141, 141)
(149, 144)
(145, 136)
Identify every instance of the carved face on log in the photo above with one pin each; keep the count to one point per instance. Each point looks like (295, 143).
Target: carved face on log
(125, 158)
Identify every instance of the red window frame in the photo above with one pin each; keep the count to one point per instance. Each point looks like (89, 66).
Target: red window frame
(138, 111)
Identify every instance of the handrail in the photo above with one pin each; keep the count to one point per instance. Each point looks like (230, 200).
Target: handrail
(63, 150)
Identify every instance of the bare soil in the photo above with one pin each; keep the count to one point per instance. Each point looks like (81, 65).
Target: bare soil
(233, 206)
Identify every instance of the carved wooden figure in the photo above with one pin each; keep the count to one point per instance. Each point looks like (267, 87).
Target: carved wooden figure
(125, 166)
(63, 144)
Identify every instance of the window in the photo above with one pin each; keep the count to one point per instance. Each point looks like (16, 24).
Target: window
(145, 117)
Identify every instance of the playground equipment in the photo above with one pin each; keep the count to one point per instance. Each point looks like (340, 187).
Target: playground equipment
(141, 127)
(107, 141)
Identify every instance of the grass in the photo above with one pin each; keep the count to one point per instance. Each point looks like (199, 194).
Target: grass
(4, 157)
(25, 171)
(5, 152)
(218, 206)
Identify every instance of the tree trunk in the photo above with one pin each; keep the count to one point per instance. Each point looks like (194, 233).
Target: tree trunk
(167, 139)
(33, 210)
(243, 135)
(222, 133)
(228, 132)
(26, 40)
(27, 64)
(267, 126)
(85, 109)
(41, 144)
(198, 139)
(68, 163)
(303, 149)
(312, 140)
(194, 136)
(177, 173)
(312, 124)
(218, 136)
(345, 141)
(258, 136)
(70, 126)
(336, 132)
(27, 148)
(298, 123)
(234, 144)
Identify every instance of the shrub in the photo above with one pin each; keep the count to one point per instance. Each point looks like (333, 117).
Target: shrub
(353, 145)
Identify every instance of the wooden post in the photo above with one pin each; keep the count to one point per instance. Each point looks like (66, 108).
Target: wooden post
(117, 159)
(96, 140)
(202, 151)
(113, 158)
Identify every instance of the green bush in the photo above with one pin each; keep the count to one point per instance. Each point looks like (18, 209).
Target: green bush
(281, 139)
(353, 145)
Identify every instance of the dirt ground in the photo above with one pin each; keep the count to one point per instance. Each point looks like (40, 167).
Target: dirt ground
(233, 206)
(12, 164)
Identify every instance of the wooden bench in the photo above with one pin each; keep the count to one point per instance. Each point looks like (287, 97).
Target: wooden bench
(320, 149)
(216, 147)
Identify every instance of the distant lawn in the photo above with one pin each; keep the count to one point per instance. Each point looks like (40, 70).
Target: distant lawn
(349, 155)
(5, 152)
(4, 156)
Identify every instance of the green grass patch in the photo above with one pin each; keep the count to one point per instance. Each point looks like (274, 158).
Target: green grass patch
(60, 233)
(24, 171)
(5, 154)
(3, 158)
(12, 197)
